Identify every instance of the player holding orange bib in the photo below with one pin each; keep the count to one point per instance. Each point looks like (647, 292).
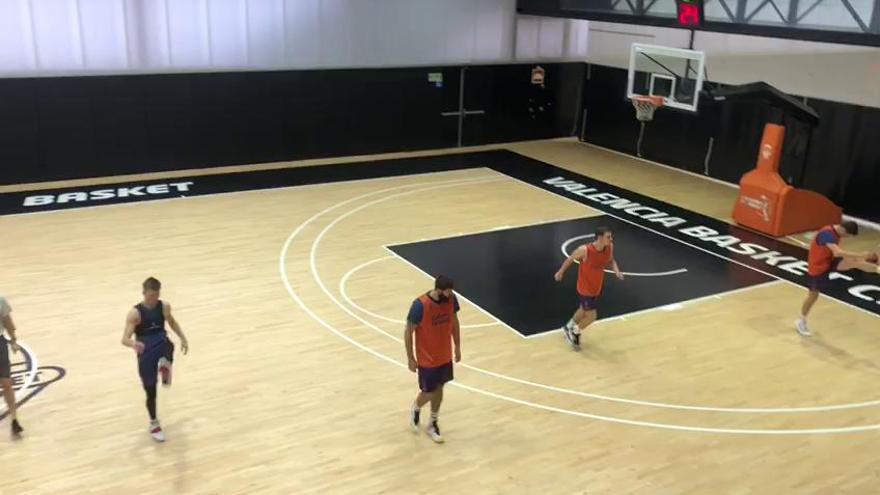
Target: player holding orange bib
(593, 259)
(827, 257)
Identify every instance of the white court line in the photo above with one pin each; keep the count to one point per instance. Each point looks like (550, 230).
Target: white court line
(669, 307)
(631, 274)
(795, 239)
(493, 229)
(439, 185)
(283, 273)
(346, 298)
(475, 305)
(316, 276)
(282, 268)
(662, 234)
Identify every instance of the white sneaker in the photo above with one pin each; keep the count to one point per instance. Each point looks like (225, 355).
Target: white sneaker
(433, 431)
(165, 371)
(566, 332)
(156, 431)
(802, 329)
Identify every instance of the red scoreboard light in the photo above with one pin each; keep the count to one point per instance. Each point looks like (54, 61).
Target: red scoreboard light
(690, 13)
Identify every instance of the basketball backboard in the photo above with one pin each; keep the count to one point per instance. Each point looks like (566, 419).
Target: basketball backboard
(675, 74)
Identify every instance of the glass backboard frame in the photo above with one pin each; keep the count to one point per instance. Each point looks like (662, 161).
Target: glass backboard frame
(638, 50)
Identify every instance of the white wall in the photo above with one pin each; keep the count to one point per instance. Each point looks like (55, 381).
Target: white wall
(75, 37)
(818, 70)
(551, 38)
(834, 72)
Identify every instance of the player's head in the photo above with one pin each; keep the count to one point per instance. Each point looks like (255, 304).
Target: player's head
(443, 285)
(151, 290)
(850, 228)
(604, 236)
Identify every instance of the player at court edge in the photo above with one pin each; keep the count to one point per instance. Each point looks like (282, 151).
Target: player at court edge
(592, 258)
(433, 321)
(155, 351)
(7, 325)
(827, 257)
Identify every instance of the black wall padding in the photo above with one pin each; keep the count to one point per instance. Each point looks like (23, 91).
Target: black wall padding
(75, 127)
(844, 157)
(839, 158)
(674, 137)
(610, 117)
(518, 110)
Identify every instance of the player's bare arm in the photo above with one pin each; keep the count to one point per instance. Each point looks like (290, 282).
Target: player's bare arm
(408, 342)
(172, 322)
(616, 269)
(841, 253)
(579, 255)
(456, 337)
(132, 320)
(9, 325)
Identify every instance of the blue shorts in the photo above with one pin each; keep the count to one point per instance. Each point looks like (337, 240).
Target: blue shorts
(821, 282)
(589, 303)
(155, 348)
(432, 378)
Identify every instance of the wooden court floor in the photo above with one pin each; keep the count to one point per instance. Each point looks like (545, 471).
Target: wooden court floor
(296, 380)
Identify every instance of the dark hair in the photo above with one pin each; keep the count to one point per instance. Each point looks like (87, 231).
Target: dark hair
(152, 284)
(851, 227)
(442, 282)
(600, 231)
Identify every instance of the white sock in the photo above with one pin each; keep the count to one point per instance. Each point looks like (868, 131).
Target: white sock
(415, 407)
(434, 416)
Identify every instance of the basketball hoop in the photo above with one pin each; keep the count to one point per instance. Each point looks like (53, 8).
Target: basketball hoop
(645, 106)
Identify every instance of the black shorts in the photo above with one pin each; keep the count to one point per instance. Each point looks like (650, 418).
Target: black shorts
(589, 303)
(432, 378)
(821, 282)
(5, 366)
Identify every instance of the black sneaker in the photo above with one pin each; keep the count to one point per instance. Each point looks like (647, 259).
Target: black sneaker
(576, 341)
(16, 429)
(414, 419)
(434, 432)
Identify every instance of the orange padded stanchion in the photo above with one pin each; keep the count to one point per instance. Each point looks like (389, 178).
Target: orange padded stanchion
(769, 205)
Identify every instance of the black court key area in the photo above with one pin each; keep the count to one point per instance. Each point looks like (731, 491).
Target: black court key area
(509, 273)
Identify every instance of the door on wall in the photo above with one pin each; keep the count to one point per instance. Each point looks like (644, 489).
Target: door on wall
(504, 103)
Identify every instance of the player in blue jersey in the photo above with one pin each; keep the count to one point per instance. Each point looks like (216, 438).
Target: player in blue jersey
(155, 351)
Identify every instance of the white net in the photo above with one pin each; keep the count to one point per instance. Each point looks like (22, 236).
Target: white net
(645, 107)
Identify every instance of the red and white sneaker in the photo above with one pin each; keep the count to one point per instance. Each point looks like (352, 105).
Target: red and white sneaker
(156, 431)
(165, 371)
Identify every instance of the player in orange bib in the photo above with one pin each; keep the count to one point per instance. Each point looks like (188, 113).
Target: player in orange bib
(826, 257)
(433, 320)
(593, 259)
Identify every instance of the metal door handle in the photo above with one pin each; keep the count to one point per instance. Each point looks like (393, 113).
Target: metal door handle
(466, 112)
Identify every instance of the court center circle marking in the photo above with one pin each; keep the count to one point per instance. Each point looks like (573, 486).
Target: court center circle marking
(295, 296)
(628, 274)
(342, 290)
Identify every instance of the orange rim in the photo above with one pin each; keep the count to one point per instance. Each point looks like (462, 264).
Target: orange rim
(657, 101)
